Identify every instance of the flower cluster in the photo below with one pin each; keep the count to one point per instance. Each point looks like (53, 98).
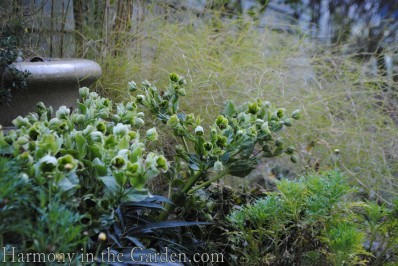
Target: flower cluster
(228, 145)
(97, 149)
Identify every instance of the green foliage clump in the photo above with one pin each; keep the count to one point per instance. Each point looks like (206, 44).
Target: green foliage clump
(80, 165)
(306, 221)
(9, 52)
(232, 145)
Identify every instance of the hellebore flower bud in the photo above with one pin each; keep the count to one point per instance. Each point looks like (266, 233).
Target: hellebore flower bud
(174, 77)
(139, 122)
(101, 237)
(290, 150)
(199, 130)
(265, 129)
(132, 86)
(84, 92)
(96, 136)
(152, 134)
(131, 106)
(182, 92)
(296, 114)
(287, 122)
(62, 112)
(77, 118)
(218, 166)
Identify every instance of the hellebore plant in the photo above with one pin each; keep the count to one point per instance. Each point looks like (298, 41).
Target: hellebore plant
(233, 144)
(94, 155)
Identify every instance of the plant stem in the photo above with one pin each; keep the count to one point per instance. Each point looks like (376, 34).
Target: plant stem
(207, 183)
(185, 144)
(191, 181)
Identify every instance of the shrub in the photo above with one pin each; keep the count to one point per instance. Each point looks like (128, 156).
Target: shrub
(9, 53)
(305, 221)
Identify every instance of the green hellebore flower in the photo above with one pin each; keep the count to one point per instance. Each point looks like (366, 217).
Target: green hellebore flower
(280, 112)
(221, 122)
(93, 95)
(120, 129)
(132, 86)
(66, 163)
(253, 108)
(132, 167)
(103, 113)
(208, 146)
(133, 134)
(161, 164)
(22, 140)
(139, 122)
(118, 162)
(96, 136)
(174, 77)
(33, 132)
(179, 130)
(221, 141)
(41, 107)
(101, 127)
(88, 130)
(140, 98)
(131, 106)
(279, 143)
(152, 134)
(62, 112)
(21, 122)
(259, 122)
(218, 166)
(173, 121)
(242, 117)
(199, 130)
(77, 118)
(182, 92)
(84, 92)
(190, 119)
(46, 165)
(265, 129)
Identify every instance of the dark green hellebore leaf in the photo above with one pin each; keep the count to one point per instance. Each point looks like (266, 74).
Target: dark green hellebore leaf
(112, 187)
(81, 145)
(229, 109)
